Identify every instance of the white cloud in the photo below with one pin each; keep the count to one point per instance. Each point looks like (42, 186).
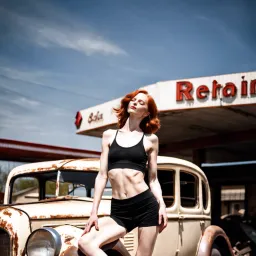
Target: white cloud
(38, 121)
(23, 102)
(70, 34)
(5, 112)
(12, 120)
(43, 78)
(59, 112)
(81, 41)
(32, 76)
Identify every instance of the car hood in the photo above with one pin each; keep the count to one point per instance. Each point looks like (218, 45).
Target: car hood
(63, 208)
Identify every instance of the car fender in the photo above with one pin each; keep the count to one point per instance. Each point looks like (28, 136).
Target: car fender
(17, 224)
(214, 236)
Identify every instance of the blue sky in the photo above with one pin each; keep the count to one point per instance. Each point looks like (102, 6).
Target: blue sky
(58, 57)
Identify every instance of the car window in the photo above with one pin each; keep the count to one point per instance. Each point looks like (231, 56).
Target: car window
(188, 189)
(25, 190)
(75, 183)
(166, 180)
(50, 188)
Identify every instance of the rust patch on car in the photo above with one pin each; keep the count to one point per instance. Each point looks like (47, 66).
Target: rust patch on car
(67, 239)
(68, 197)
(19, 211)
(38, 217)
(3, 224)
(68, 167)
(59, 216)
(90, 159)
(78, 168)
(70, 251)
(15, 244)
(6, 212)
(41, 169)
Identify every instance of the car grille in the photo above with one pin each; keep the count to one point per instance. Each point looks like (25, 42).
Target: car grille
(4, 243)
(129, 241)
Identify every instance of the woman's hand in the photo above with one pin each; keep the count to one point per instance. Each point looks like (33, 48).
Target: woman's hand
(162, 218)
(93, 221)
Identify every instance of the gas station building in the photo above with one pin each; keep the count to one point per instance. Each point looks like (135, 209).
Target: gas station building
(204, 120)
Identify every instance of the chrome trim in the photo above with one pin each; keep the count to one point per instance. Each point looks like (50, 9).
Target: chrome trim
(55, 235)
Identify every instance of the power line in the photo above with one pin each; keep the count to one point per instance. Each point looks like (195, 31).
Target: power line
(56, 89)
(23, 95)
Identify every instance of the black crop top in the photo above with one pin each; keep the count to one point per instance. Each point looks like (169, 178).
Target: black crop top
(134, 157)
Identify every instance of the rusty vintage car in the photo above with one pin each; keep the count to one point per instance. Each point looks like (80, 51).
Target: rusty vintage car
(47, 204)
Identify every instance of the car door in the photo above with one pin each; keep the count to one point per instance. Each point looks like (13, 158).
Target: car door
(191, 223)
(167, 242)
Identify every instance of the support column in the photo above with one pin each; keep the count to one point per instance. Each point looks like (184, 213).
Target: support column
(216, 203)
(199, 156)
(251, 197)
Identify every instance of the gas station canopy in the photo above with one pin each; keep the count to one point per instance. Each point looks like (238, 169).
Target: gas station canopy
(208, 118)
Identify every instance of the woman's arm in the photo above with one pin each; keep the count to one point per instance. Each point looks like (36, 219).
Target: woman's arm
(102, 177)
(100, 182)
(154, 183)
(152, 166)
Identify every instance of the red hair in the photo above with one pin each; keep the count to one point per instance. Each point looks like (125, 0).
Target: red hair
(150, 124)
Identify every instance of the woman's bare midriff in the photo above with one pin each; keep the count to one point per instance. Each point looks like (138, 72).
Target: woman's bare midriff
(126, 183)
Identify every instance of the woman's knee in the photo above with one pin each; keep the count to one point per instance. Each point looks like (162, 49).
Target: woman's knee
(87, 245)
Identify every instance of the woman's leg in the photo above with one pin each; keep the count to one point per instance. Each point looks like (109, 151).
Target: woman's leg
(147, 239)
(109, 231)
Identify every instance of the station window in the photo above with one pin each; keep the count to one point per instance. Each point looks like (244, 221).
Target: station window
(233, 199)
(205, 195)
(25, 190)
(188, 190)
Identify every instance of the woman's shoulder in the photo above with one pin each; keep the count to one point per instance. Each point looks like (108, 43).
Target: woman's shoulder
(152, 137)
(109, 133)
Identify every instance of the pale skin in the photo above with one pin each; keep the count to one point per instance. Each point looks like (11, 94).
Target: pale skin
(125, 183)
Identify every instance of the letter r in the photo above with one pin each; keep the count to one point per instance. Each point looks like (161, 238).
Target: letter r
(181, 91)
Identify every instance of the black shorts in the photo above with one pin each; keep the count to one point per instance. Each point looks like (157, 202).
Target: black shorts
(137, 211)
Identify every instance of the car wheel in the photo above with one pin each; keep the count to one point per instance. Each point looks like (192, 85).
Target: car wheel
(215, 251)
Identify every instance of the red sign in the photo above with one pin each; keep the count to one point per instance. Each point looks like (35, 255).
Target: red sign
(184, 90)
(79, 119)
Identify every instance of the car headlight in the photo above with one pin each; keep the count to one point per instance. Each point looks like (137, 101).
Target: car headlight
(43, 241)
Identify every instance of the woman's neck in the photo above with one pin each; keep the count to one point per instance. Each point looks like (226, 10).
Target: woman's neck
(132, 124)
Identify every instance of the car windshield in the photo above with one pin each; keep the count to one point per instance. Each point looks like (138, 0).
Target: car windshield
(38, 186)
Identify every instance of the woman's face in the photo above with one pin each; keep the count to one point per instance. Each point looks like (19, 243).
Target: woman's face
(139, 105)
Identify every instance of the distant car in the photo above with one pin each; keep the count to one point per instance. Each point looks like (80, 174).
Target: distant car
(47, 204)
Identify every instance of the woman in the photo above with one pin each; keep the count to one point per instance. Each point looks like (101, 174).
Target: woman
(123, 160)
